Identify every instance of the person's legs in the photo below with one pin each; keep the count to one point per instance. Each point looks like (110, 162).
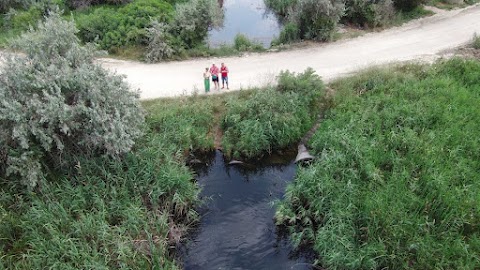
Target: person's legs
(207, 85)
(226, 81)
(223, 82)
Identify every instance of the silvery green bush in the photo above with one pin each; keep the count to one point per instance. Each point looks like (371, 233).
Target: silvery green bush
(57, 104)
(317, 19)
(159, 43)
(188, 29)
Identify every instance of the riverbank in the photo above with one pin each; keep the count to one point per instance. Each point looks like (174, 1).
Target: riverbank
(422, 39)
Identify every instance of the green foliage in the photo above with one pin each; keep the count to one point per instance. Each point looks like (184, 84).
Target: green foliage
(272, 118)
(111, 215)
(281, 7)
(243, 44)
(82, 4)
(113, 27)
(396, 183)
(58, 105)
(289, 33)
(187, 31)
(316, 20)
(476, 41)
(186, 122)
(369, 13)
(23, 20)
(407, 5)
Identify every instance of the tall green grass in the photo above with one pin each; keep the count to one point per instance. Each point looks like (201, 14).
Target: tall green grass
(272, 118)
(112, 214)
(396, 184)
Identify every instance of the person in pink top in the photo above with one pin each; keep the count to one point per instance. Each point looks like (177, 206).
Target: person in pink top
(214, 71)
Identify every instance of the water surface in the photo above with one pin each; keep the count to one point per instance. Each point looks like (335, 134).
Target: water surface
(249, 17)
(237, 229)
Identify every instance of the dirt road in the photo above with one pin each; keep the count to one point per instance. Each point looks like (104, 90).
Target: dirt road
(419, 39)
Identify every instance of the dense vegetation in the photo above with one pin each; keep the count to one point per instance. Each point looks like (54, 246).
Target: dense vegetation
(124, 27)
(102, 196)
(74, 192)
(396, 184)
(318, 19)
(273, 118)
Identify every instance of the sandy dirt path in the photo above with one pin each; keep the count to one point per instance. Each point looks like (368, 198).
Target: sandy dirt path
(420, 39)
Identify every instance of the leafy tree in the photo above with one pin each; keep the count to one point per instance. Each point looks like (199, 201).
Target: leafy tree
(57, 104)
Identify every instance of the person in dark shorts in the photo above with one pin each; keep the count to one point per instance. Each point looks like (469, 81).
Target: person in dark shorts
(224, 72)
(214, 71)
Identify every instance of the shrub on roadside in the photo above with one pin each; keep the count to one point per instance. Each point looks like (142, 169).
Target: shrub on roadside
(242, 44)
(281, 7)
(369, 13)
(187, 30)
(273, 118)
(289, 34)
(317, 19)
(407, 5)
(113, 27)
(58, 105)
(476, 41)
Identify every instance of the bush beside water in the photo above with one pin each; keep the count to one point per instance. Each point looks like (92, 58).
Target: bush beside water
(273, 118)
(85, 209)
(396, 182)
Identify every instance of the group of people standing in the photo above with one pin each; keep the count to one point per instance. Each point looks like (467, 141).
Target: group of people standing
(214, 72)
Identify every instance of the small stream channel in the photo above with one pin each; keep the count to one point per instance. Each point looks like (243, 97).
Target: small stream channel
(237, 230)
(249, 17)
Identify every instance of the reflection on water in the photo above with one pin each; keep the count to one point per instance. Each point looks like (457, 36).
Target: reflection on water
(237, 229)
(249, 17)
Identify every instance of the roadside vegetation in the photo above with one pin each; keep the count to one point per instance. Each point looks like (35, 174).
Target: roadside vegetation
(396, 182)
(90, 178)
(476, 42)
(85, 182)
(449, 4)
(272, 118)
(318, 20)
(161, 30)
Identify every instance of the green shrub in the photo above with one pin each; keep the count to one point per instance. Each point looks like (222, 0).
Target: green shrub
(21, 20)
(243, 44)
(57, 104)
(113, 214)
(281, 7)
(82, 4)
(476, 41)
(367, 13)
(273, 118)
(187, 31)
(193, 19)
(289, 33)
(407, 5)
(395, 185)
(113, 27)
(317, 19)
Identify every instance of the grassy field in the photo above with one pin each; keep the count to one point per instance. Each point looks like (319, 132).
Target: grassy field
(129, 213)
(396, 184)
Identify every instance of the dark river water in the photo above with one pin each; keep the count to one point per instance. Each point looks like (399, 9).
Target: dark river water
(237, 229)
(249, 17)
